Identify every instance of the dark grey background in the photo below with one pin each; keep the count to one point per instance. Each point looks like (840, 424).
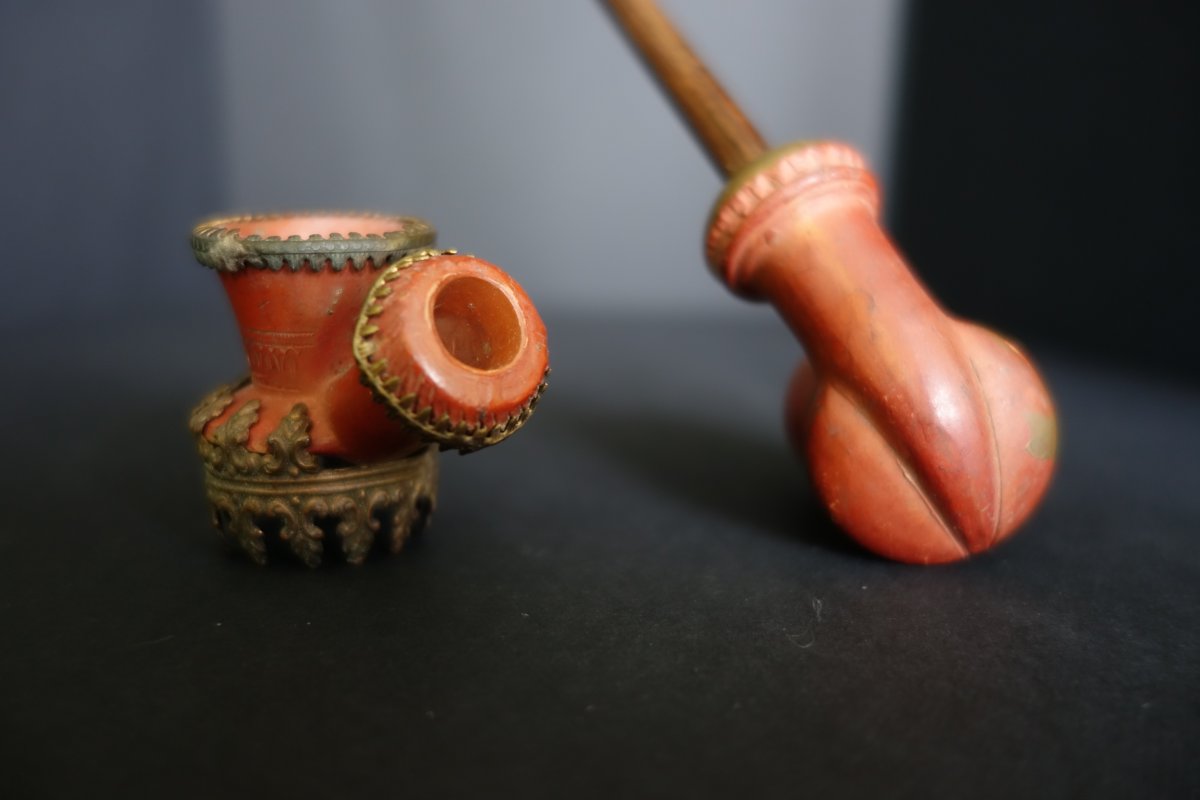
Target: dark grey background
(1048, 167)
(526, 131)
(1038, 161)
(636, 596)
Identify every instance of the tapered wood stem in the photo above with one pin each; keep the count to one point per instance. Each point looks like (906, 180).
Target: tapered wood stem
(729, 138)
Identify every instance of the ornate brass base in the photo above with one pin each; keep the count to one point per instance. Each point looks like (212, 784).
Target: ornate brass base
(357, 504)
(290, 498)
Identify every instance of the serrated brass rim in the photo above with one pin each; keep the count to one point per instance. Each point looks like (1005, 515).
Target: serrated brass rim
(216, 244)
(463, 436)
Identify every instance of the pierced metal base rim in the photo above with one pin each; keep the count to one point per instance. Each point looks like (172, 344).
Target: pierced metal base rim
(342, 513)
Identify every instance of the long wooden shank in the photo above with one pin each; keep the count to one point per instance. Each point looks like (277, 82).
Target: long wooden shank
(729, 138)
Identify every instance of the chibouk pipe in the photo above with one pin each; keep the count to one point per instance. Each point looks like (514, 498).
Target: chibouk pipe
(368, 351)
(927, 437)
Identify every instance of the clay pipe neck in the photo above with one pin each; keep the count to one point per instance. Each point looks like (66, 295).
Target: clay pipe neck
(820, 257)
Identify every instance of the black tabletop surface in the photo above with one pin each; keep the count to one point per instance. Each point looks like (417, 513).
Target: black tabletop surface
(635, 596)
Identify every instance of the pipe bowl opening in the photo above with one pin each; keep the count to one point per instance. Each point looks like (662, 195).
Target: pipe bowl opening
(477, 323)
(322, 224)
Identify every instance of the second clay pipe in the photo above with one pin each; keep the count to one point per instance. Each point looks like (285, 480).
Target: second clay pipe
(928, 438)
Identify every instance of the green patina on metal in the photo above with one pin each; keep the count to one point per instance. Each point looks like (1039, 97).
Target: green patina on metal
(1043, 436)
(218, 243)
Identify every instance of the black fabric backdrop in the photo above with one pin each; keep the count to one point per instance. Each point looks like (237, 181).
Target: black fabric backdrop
(1047, 171)
(635, 596)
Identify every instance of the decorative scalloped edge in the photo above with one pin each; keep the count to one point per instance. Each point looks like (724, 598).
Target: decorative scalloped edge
(400, 392)
(213, 405)
(291, 488)
(224, 450)
(215, 244)
(757, 182)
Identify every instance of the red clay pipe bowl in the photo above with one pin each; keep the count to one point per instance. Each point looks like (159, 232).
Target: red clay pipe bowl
(304, 287)
(453, 347)
(928, 438)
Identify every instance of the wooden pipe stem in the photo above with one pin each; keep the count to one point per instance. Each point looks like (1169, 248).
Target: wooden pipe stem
(730, 139)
